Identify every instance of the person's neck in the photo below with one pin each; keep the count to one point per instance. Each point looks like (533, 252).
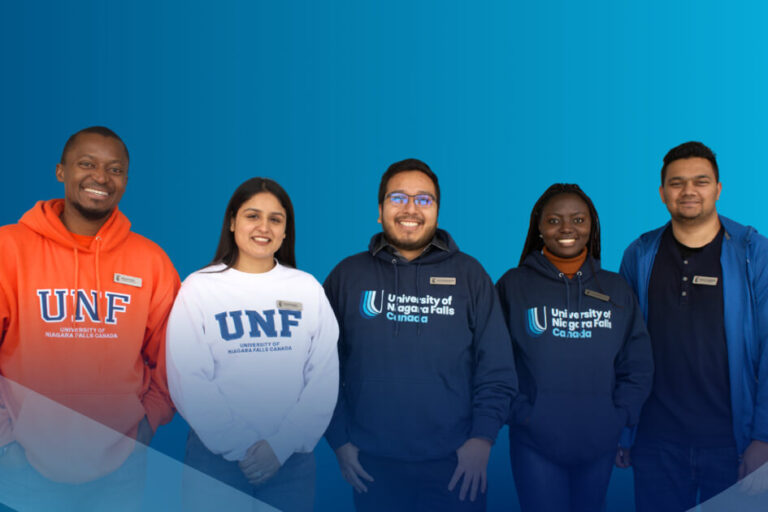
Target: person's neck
(79, 225)
(254, 266)
(696, 234)
(410, 255)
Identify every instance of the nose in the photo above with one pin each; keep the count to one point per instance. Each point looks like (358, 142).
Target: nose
(99, 174)
(566, 226)
(410, 206)
(688, 187)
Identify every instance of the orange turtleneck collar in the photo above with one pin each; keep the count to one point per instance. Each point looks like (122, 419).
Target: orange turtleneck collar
(568, 266)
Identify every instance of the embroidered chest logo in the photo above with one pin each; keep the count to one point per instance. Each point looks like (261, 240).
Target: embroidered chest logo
(370, 306)
(574, 325)
(404, 308)
(55, 307)
(260, 325)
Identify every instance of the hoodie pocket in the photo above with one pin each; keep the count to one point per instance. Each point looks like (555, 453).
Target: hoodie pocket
(65, 445)
(409, 417)
(572, 428)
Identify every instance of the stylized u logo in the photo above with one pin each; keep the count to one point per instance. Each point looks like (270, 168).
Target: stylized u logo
(368, 307)
(536, 326)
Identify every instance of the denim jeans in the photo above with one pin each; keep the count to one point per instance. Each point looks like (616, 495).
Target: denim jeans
(413, 486)
(291, 489)
(673, 477)
(546, 486)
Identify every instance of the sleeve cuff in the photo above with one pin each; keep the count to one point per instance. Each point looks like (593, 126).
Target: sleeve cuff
(485, 427)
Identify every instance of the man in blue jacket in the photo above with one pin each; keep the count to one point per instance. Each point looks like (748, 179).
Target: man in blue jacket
(427, 371)
(702, 282)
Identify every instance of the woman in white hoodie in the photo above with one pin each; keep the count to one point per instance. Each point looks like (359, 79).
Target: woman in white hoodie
(252, 361)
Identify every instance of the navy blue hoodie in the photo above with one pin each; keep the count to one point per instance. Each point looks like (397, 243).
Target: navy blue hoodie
(583, 357)
(425, 358)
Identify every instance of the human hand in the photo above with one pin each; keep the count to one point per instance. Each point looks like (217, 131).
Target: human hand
(473, 465)
(260, 463)
(351, 470)
(753, 471)
(623, 459)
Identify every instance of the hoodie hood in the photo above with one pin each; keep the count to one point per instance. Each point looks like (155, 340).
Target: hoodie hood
(45, 219)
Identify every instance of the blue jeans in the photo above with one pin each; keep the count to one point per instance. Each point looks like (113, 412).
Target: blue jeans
(545, 486)
(291, 489)
(673, 477)
(413, 486)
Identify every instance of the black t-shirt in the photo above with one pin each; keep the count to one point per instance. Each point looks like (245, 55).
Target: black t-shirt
(690, 401)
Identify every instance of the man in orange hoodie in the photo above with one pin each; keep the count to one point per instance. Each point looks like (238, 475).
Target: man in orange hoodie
(83, 308)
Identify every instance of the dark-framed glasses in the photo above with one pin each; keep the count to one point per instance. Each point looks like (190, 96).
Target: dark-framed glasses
(401, 199)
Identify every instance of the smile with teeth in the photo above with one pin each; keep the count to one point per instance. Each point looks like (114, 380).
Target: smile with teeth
(97, 192)
(260, 239)
(566, 241)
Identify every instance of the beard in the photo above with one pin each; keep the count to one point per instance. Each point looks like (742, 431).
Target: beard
(404, 244)
(92, 214)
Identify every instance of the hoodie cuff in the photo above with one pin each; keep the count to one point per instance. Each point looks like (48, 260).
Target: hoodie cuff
(336, 436)
(485, 427)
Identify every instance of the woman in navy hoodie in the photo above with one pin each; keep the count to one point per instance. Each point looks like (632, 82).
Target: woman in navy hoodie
(583, 357)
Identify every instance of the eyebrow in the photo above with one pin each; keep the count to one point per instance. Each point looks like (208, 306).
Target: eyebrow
(116, 160)
(697, 177)
(260, 211)
(420, 192)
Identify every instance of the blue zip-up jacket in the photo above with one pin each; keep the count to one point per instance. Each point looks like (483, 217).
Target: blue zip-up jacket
(744, 258)
(425, 358)
(583, 358)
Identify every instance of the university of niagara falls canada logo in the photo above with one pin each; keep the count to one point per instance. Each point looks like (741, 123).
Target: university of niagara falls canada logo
(371, 303)
(536, 324)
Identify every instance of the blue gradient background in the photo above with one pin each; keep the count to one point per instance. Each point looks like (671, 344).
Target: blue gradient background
(500, 98)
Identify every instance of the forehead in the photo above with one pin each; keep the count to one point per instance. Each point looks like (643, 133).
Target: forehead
(263, 201)
(93, 144)
(689, 168)
(411, 182)
(565, 203)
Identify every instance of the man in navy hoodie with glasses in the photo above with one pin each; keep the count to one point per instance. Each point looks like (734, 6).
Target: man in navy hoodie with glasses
(427, 371)
(702, 282)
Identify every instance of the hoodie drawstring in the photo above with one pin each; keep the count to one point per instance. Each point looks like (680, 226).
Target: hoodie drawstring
(581, 289)
(74, 292)
(567, 291)
(99, 311)
(418, 294)
(397, 292)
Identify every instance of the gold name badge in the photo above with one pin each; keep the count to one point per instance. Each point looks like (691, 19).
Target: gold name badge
(288, 305)
(705, 280)
(129, 280)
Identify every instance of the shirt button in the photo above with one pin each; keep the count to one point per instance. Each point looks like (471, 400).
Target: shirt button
(685, 293)
(685, 278)
(685, 262)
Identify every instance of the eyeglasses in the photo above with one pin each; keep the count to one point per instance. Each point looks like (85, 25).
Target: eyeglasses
(419, 200)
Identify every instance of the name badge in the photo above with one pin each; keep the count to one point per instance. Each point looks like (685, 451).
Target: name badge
(129, 280)
(597, 295)
(449, 281)
(705, 280)
(291, 306)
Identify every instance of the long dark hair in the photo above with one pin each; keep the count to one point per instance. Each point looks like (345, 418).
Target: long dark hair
(227, 251)
(533, 241)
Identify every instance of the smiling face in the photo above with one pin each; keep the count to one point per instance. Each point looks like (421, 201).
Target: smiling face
(408, 227)
(565, 225)
(94, 173)
(259, 230)
(690, 190)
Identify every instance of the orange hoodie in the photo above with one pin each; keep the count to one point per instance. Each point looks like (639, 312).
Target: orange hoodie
(85, 327)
